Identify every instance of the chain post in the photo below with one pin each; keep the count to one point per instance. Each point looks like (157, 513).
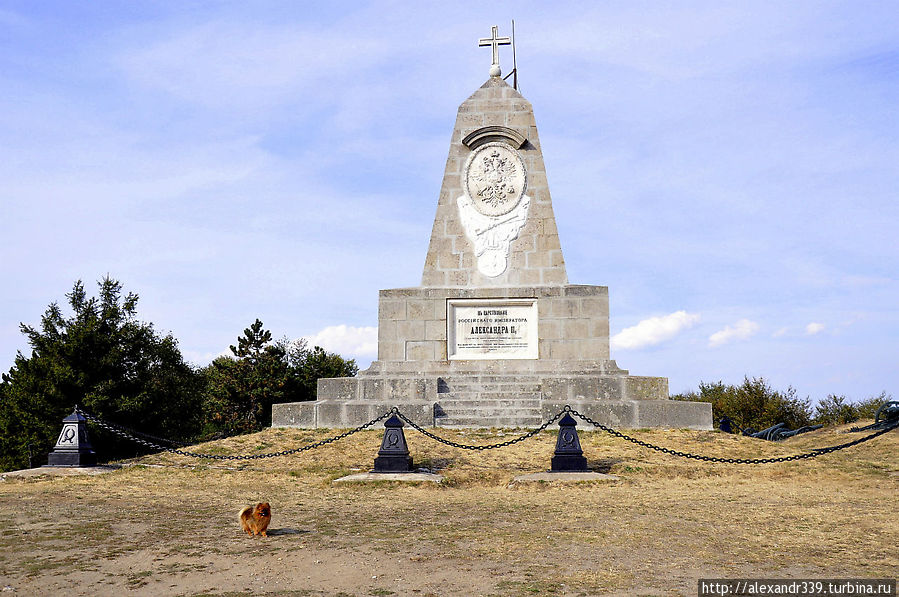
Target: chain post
(73, 448)
(569, 457)
(393, 457)
(66, 438)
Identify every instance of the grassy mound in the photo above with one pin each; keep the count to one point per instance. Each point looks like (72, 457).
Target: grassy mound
(167, 524)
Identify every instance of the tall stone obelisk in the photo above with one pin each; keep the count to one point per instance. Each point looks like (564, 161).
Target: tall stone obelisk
(495, 335)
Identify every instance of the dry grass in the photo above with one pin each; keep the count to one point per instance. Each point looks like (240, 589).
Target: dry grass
(166, 525)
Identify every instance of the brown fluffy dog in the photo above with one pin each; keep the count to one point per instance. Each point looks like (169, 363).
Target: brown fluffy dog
(255, 519)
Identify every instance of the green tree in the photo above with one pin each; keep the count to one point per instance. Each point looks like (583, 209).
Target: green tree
(307, 366)
(241, 389)
(867, 408)
(102, 358)
(836, 410)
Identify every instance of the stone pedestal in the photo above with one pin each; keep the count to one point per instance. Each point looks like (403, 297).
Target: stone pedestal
(495, 335)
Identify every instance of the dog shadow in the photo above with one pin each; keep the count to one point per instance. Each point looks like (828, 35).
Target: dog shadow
(287, 531)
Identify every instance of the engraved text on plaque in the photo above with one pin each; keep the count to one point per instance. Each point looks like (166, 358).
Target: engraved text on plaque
(491, 328)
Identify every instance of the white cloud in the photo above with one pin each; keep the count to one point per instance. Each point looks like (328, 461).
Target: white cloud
(814, 328)
(779, 333)
(201, 359)
(347, 341)
(654, 330)
(741, 330)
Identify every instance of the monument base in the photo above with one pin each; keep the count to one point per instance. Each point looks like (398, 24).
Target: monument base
(506, 393)
(627, 414)
(450, 357)
(73, 458)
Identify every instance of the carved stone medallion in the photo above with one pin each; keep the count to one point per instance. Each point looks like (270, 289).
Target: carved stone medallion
(495, 178)
(494, 207)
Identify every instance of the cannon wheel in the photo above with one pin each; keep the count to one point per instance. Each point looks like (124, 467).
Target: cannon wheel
(885, 407)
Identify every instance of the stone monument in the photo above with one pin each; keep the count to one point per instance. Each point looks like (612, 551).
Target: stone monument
(495, 335)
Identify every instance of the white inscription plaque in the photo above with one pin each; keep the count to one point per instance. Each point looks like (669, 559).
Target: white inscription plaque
(491, 328)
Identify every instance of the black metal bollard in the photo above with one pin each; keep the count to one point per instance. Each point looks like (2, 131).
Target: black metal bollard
(73, 448)
(569, 458)
(393, 457)
(724, 424)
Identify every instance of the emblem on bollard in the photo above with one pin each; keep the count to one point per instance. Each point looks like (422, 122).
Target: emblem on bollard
(393, 457)
(568, 456)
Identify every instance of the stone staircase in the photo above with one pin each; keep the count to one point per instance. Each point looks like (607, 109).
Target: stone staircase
(490, 401)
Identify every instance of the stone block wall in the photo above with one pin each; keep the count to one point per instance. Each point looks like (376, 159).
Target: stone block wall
(573, 321)
(535, 257)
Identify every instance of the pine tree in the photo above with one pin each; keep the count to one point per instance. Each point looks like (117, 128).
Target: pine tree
(240, 390)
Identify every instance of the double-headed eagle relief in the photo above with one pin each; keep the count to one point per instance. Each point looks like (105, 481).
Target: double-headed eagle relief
(494, 181)
(494, 207)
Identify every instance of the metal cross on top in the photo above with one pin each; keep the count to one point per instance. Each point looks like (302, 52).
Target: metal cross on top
(495, 42)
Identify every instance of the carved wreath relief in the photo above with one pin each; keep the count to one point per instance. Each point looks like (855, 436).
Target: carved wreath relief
(67, 436)
(494, 207)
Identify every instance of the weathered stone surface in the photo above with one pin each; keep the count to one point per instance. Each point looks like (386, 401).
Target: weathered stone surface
(450, 259)
(608, 412)
(550, 477)
(646, 388)
(295, 414)
(345, 414)
(381, 477)
(674, 414)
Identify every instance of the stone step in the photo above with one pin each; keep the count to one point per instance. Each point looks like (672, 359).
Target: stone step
(510, 403)
(488, 382)
(477, 403)
(487, 379)
(482, 421)
(492, 387)
(450, 410)
(453, 396)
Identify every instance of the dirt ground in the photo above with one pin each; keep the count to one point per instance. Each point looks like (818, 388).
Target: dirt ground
(167, 525)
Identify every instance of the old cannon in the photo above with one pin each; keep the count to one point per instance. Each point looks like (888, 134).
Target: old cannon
(779, 432)
(887, 416)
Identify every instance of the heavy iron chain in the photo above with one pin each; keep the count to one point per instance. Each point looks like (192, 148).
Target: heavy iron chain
(146, 436)
(133, 437)
(815, 452)
(442, 440)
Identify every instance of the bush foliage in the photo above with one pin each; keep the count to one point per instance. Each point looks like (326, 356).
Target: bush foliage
(836, 410)
(754, 404)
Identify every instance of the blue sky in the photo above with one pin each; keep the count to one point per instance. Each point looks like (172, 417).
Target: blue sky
(727, 169)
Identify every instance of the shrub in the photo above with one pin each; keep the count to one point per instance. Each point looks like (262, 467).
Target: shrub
(867, 408)
(834, 410)
(752, 404)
